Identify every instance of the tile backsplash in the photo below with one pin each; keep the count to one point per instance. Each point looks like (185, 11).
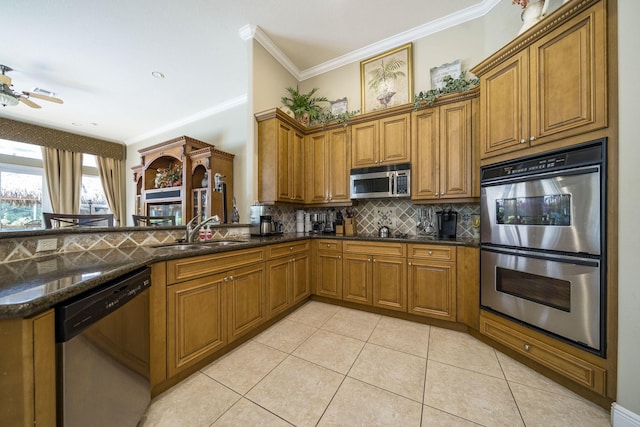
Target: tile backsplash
(401, 216)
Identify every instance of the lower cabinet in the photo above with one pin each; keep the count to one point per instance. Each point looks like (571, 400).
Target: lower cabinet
(432, 281)
(327, 268)
(375, 274)
(288, 276)
(196, 323)
(245, 300)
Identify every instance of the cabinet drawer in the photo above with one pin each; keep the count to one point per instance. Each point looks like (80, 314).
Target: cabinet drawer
(286, 249)
(190, 268)
(375, 248)
(439, 252)
(329, 245)
(582, 372)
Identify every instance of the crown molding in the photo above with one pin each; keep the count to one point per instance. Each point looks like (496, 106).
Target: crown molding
(457, 18)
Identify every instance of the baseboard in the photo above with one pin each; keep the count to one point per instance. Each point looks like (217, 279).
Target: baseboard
(621, 417)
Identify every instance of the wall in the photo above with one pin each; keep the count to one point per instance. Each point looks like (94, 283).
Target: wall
(629, 207)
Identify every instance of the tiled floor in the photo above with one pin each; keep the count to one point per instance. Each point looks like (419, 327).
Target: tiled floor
(331, 366)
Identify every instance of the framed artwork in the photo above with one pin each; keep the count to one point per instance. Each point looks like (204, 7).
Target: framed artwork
(438, 74)
(339, 106)
(387, 79)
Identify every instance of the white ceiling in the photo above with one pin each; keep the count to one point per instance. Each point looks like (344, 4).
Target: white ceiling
(99, 55)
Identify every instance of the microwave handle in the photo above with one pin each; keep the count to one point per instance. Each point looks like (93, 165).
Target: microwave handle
(393, 183)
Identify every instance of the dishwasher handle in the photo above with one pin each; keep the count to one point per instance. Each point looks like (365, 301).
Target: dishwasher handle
(75, 315)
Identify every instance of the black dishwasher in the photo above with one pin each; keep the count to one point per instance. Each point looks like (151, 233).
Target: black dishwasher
(102, 354)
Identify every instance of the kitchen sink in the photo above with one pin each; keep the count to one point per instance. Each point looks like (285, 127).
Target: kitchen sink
(182, 246)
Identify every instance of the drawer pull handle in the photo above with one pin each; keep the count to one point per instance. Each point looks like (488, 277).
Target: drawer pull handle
(526, 347)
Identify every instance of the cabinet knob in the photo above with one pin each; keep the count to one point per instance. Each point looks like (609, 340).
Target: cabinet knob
(526, 347)
(328, 245)
(230, 277)
(226, 279)
(368, 259)
(532, 138)
(339, 257)
(523, 141)
(410, 264)
(437, 194)
(442, 194)
(290, 248)
(430, 252)
(374, 260)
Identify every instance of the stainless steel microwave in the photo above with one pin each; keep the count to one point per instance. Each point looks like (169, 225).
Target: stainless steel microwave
(381, 182)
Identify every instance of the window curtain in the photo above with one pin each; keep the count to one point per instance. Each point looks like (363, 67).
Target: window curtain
(111, 175)
(63, 175)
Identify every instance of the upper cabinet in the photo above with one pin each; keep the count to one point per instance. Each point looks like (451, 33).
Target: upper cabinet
(443, 160)
(547, 85)
(382, 141)
(280, 159)
(327, 165)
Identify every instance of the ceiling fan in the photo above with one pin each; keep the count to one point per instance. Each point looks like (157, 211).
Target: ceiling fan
(10, 98)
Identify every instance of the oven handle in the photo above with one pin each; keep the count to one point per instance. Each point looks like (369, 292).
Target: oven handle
(567, 259)
(538, 176)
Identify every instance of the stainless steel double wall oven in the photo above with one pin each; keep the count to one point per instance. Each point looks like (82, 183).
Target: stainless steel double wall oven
(542, 242)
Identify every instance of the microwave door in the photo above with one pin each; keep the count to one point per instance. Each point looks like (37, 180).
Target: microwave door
(371, 185)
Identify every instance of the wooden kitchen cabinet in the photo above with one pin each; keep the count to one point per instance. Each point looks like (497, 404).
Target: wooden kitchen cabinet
(287, 276)
(328, 163)
(553, 86)
(442, 154)
(246, 300)
(327, 272)
(280, 160)
(382, 141)
(28, 371)
(432, 281)
(196, 321)
(375, 274)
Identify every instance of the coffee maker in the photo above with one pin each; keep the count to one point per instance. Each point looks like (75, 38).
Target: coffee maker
(447, 224)
(262, 222)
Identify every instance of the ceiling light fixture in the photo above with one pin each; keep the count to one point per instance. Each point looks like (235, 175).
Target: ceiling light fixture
(7, 97)
(157, 75)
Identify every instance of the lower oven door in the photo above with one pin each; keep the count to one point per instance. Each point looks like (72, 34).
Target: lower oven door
(555, 293)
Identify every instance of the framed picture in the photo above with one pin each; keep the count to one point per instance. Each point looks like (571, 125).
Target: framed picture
(438, 74)
(387, 79)
(339, 106)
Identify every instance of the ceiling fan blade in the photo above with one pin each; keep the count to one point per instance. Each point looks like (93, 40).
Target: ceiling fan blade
(44, 97)
(29, 102)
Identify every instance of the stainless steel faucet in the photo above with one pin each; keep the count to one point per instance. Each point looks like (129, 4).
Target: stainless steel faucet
(193, 231)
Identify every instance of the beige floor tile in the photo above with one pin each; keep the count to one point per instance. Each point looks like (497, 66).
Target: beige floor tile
(313, 313)
(333, 351)
(360, 404)
(245, 366)
(285, 335)
(462, 350)
(297, 391)
(402, 335)
(197, 401)
(352, 323)
(515, 371)
(477, 397)
(246, 413)
(432, 417)
(391, 370)
(543, 409)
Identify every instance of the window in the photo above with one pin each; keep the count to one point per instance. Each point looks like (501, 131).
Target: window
(23, 193)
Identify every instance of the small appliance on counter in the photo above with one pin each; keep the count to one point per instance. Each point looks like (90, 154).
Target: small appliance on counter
(262, 222)
(384, 231)
(447, 224)
(317, 223)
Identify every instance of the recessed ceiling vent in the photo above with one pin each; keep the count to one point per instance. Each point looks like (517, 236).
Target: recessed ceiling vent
(41, 91)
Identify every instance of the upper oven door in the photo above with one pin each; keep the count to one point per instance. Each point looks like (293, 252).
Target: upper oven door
(553, 211)
(372, 185)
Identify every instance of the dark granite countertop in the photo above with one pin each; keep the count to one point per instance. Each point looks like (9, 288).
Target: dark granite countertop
(31, 286)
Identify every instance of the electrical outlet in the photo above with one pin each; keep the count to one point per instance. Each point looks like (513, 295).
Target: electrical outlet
(47, 245)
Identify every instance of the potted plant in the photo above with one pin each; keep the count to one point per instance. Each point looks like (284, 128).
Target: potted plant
(304, 106)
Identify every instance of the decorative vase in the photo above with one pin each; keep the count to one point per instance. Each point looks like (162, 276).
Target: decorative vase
(532, 14)
(205, 180)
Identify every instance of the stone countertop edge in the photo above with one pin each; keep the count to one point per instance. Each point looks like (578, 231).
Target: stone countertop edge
(151, 255)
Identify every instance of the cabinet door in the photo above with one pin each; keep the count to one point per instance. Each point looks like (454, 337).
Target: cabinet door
(328, 276)
(389, 283)
(394, 139)
(432, 289)
(195, 320)
(316, 168)
(455, 150)
(278, 286)
(245, 300)
(504, 107)
(357, 279)
(568, 78)
(364, 144)
(338, 161)
(283, 171)
(300, 280)
(425, 154)
(296, 166)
